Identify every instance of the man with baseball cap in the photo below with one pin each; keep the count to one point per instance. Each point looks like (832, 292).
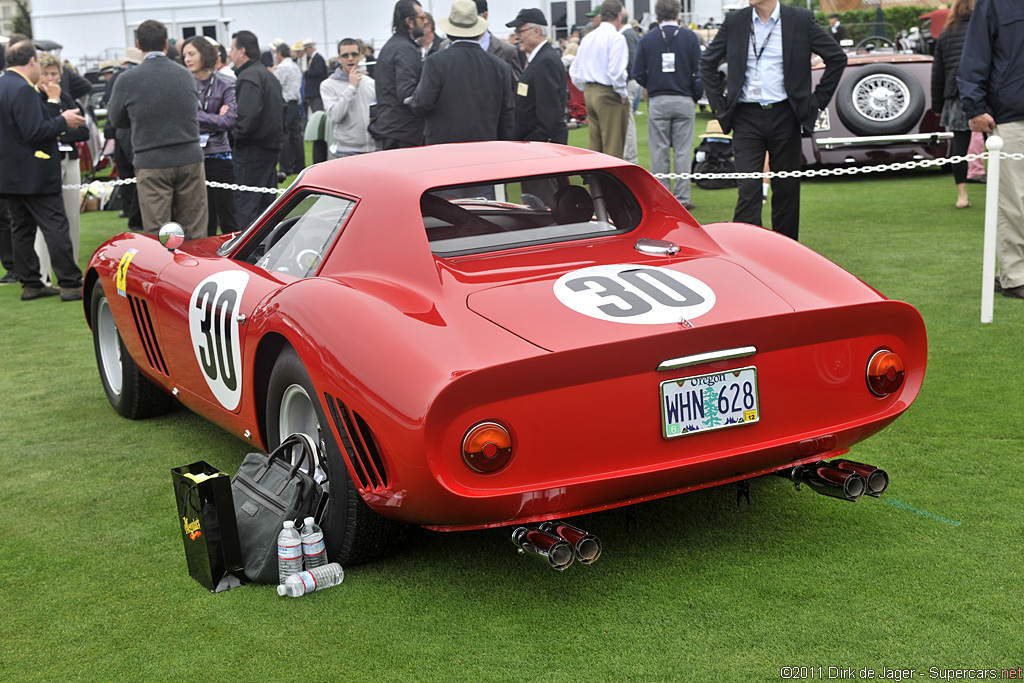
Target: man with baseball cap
(541, 92)
(465, 93)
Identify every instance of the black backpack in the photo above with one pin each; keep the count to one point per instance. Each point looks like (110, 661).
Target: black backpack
(717, 156)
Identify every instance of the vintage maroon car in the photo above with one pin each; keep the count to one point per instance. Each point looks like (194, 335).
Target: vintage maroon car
(495, 334)
(880, 113)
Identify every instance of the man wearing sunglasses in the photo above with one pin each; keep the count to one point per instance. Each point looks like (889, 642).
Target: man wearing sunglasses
(347, 95)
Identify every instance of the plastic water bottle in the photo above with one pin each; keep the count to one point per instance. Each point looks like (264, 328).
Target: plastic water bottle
(317, 579)
(289, 551)
(314, 552)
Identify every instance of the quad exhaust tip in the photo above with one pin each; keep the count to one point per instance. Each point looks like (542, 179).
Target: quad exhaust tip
(557, 544)
(843, 479)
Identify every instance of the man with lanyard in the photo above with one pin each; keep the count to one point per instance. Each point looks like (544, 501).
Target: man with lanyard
(666, 64)
(768, 48)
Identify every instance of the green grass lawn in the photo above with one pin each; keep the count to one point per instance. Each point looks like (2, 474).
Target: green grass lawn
(94, 585)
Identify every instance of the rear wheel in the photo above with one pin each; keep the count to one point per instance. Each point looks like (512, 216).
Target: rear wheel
(129, 392)
(353, 532)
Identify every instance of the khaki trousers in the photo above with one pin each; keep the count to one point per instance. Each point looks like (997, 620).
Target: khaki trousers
(1010, 225)
(176, 193)
(607, 116)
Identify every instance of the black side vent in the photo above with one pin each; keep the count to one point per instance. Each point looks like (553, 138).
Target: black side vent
(144, 326)
(361, 447)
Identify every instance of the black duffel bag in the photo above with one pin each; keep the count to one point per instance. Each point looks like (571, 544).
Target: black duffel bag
(267, 490)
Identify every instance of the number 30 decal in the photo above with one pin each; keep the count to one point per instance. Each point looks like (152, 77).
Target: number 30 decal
(639, 295)
(212, 323)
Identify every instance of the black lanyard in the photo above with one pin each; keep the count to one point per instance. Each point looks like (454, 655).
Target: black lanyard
(668, 43)
(204, 99)
(753, 42)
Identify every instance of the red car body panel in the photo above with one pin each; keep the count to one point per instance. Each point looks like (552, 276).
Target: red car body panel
(422, 347)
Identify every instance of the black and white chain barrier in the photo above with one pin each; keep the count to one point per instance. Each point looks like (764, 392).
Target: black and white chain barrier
(994, 156)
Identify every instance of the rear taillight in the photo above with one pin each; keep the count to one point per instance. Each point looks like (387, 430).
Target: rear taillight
(487, 447)
(885, 373)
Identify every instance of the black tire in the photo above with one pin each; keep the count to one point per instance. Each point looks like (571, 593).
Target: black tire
(880, 99)
(353, 532)
(129, 392)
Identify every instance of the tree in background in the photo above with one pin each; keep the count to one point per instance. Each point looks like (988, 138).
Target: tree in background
(22, 22)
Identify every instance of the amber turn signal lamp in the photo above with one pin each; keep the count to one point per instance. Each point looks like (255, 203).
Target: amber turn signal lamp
(487, 447)
(885, 373)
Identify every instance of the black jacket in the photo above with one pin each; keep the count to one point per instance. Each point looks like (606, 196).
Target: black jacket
(260, 121)
(465, 95)
(29, 160)
(948, 49)
(396, 76)
(72, 135)
(801, 36)
(315, 74)
(540, 99)
(991, 75)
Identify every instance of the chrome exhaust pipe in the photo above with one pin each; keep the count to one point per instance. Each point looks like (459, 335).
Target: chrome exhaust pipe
(587, 547)
(544, 546)
(827, 480)
(877, 480)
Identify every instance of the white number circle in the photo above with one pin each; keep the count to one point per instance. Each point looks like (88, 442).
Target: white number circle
(634, 294)
(212, 324)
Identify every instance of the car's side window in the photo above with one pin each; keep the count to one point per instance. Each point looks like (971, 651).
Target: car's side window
(510, 213)
(297, 241)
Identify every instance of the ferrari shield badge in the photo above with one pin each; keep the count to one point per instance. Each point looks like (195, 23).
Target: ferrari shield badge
(212, 324)
(634, 294)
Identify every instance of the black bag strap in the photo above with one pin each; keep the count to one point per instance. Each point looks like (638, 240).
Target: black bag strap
(308, 449)
(190, 486)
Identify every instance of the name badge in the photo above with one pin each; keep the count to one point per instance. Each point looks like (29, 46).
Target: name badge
(203, 139)
(668, 62)
(65, 147)
(523, 89)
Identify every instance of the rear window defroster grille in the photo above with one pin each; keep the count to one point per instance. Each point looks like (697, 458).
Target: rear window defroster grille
(361, 447)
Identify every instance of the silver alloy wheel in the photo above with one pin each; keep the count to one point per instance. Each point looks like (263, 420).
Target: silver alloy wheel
(109, 346)
(297, 414)
(881, 97)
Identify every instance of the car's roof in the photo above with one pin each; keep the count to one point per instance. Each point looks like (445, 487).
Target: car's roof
(420, 168)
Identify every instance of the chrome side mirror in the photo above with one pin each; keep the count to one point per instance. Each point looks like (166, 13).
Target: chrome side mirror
(172, 236)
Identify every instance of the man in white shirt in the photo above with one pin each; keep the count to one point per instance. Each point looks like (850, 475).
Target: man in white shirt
(599, 70)
(293, 153)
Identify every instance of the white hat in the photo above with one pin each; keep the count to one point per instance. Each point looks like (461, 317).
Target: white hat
(463, 22)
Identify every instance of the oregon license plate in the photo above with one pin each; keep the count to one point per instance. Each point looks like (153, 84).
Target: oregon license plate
(708, 402)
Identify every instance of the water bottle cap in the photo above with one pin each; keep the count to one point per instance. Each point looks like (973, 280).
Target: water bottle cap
(281, 590)
(289, 524)
(308, 521)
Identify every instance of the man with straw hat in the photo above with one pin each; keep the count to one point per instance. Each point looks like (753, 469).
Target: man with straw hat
(465, 94)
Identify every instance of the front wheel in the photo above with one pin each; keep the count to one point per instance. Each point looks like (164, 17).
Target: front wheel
(353, 532)
(129, 392)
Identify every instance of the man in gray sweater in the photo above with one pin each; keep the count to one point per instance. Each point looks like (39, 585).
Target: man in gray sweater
(158, 101)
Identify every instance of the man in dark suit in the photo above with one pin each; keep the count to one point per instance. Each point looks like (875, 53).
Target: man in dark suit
(768, 49)
(393, 125)
(506, 52)
(30, 174)
(541, 92)
(465, 94)
(836, 28)
(316, 72)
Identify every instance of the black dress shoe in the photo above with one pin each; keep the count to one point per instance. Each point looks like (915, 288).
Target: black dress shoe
(30, 293)
(1013, 292)
(9, 279)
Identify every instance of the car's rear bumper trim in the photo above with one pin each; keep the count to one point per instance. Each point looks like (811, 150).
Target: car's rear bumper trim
(910, 138)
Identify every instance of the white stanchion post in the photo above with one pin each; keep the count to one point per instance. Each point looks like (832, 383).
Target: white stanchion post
(988, 267)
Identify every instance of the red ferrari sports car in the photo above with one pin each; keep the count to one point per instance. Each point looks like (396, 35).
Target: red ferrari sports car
(494, 334)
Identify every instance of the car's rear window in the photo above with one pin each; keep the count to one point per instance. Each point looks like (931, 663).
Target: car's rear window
(524, 211)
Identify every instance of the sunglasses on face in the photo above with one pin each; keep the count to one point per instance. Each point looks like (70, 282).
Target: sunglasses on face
(348, 55)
